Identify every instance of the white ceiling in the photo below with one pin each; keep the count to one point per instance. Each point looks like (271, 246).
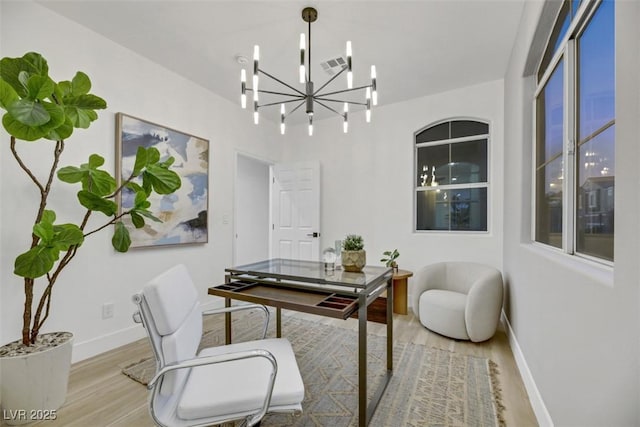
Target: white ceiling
(418, 47)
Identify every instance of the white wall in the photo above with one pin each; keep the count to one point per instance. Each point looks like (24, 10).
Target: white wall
(576, 323)
(368, 176)
(136, 86)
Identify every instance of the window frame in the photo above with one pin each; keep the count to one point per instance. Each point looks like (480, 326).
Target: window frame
(471, 185)
(567, 53)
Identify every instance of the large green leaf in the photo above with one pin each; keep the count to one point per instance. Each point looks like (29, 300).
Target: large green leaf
(44, 230)
(10, 69)
(100, 182)
(31, 113)
(153, 156)
(36, 262)
(138, 221)
(71, 174)
(8, 95)
(36, 63)
(30, 133)
(48, 216)
(121, 239)
(40, 87)
(64, 131)
(94, 202)
(94, 180)
(163, 181)
(67, 235)
(95, 161)
(81, 84)
(141, 161)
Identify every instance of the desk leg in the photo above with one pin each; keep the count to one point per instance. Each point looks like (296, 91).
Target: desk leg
(390, 303)
(227, 322)
(278, 322)
(362, 361)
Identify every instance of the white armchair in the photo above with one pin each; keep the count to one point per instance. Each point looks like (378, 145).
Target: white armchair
(461, 300)
(219, 384)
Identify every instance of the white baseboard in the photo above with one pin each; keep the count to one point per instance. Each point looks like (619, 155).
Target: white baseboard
(539, 408)
(95, 346)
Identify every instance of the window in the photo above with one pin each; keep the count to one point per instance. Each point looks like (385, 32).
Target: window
(575, 132)
(451, 176)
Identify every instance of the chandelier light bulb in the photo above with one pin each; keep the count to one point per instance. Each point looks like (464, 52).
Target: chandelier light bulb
(256, 59)
(302, 49)
(345, 123)
(243, 84)
(349, 66)
(282, 125)
(374, 89)
(310, 125)
(256, 117)
(368, 113)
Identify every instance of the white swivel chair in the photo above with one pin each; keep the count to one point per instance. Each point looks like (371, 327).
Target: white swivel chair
(219, 384)
(460, 300)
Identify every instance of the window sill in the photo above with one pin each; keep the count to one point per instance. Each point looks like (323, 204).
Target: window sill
(599, 273)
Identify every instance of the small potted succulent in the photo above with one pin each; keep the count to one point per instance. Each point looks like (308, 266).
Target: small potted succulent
(389, 259)
(354, 257)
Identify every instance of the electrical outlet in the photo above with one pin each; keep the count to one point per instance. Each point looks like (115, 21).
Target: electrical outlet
(107, 310)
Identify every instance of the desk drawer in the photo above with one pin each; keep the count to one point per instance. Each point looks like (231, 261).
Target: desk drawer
(324, 303)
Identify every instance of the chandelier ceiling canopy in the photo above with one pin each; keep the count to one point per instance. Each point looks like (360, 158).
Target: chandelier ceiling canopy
(308, 95)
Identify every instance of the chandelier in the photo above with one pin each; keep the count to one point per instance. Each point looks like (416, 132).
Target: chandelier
(308, 96)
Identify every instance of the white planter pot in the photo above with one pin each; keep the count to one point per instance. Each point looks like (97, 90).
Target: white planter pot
(354, 261)
(34, 385)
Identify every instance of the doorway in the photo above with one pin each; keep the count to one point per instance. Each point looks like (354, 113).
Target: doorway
(251, 234)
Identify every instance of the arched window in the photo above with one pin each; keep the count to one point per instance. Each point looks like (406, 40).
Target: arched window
(451, 172)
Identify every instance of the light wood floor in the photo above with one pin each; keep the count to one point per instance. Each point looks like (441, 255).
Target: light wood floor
(99, 395)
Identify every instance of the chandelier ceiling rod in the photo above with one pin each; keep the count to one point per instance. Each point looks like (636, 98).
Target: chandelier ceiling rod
(309, 96)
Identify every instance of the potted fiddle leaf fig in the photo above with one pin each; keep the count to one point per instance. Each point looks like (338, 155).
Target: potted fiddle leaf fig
(354, 257)
(39, 110)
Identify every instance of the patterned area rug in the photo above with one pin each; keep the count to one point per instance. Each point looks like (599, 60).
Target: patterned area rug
(429, 387)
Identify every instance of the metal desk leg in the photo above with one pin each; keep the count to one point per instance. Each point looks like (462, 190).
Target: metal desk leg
(227, 322)
(362, 360)
(278, 322)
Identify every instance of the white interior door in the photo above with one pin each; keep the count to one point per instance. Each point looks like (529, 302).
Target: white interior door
(295, 211)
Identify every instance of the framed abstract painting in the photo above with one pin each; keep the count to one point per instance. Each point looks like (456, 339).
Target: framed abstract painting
(183, 213)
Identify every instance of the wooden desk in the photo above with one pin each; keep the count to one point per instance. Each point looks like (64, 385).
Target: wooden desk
(400, 291)
(305, 286)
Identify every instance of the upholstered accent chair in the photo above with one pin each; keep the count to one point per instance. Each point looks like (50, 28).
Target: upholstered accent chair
(240, 381)
(461, 300)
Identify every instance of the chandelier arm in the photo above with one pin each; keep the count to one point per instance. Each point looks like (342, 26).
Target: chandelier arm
(281, 82)
(341, 101)
(279, 102)
(298, 106)
(327, 107)
(280, 93)
(345, 90)
(329, 81)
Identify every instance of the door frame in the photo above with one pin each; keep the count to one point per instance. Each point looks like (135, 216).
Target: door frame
(267, 162)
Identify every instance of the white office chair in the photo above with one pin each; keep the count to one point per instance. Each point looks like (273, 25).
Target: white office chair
(240, 381)
(461, 300)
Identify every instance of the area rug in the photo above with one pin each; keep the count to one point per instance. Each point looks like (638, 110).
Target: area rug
(429, 387)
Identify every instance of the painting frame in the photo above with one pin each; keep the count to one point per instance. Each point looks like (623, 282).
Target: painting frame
(184, 213)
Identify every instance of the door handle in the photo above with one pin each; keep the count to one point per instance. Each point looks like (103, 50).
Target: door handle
(315, 234)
